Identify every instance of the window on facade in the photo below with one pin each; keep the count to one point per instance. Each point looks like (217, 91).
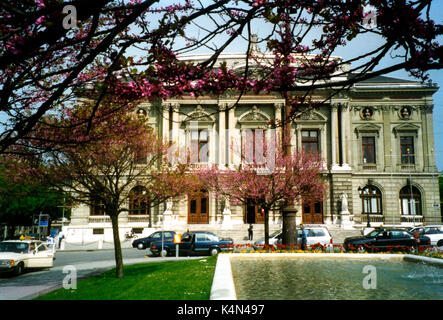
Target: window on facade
(98, 231)
(141, 156)
(309, 141)
(138, 202)
(407, 150)
(410, 199)
(254, 145)
(371, 200)
(199, 145)
(97, 208)
(368, 150)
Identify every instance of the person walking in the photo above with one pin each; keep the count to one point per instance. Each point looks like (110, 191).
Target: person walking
(250, 232)
(303, 237)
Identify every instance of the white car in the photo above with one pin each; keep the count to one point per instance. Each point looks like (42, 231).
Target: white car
(18, 255)
(314, 235)
(433, 232)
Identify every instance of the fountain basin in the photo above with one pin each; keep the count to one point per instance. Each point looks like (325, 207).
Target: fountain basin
(260, 276)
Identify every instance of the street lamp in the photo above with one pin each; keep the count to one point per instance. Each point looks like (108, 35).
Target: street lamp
(361, 191)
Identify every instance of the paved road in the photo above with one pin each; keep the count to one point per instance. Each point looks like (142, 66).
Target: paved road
(34, 283)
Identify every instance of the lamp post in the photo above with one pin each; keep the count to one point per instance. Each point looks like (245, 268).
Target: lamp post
(361, 190)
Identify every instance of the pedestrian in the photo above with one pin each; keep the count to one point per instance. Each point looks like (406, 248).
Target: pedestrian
(250, 232)
(60, 238)
(303, 237)
(50, 240)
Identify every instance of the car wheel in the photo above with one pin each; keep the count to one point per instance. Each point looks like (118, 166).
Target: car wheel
(19, 269)
(140, 246)
(214, 251)
(440, 243)
(164, 253)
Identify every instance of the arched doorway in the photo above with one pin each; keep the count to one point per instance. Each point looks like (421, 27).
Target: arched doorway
(198, 209)
(312, 212)
(410, 199)
(253, 214)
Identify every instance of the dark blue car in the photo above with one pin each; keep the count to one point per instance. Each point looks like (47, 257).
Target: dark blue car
(144, 243)
(194, 243)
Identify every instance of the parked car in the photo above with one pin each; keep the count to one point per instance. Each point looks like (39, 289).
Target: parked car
(144, 243)
(194, 243)
(314, 235)
(433, 232)
(383, 239)
(18, 255)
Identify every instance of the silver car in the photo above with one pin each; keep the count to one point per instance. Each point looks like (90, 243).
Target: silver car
(433, 232)
(314, 235)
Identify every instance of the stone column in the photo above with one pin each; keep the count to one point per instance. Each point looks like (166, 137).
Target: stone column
(175, 122)
(278, 108)
(222, 134)
(334, 145)
(344, 136)
(165, 121)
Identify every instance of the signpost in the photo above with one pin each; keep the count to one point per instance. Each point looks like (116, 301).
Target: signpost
(43, 222)
(177, 241)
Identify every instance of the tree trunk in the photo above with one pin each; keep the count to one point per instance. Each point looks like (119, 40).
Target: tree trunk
(289, 227)
(117, 246)
(266, 226)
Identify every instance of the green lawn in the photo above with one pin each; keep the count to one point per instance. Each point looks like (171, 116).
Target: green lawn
(171, 280)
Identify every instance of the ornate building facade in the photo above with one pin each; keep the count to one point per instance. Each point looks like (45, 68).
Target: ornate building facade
(376, 137)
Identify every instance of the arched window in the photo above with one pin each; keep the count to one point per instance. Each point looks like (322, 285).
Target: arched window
(371, 200)
(410, 199)
(138, 201)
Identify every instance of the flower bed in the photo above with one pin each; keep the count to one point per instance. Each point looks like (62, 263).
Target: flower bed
(428, 251)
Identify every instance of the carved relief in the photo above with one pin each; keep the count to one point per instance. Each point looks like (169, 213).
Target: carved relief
(405, 113)
(367, 113)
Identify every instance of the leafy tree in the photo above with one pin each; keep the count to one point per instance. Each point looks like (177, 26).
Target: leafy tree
(100, 167)
(21, 201)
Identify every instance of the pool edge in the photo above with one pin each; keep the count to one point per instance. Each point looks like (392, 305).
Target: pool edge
(223, 287)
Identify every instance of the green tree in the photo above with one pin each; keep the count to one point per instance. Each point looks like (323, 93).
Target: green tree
(20, 201)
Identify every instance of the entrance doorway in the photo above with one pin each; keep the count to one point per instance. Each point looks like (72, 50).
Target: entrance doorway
(253, 214)
(313, 212)
(198, 210)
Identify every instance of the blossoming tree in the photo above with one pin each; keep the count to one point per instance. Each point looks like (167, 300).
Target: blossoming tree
(44, 60)
(100, 167)
(273, 180)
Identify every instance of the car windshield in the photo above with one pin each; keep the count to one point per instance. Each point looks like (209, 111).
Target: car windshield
(373, 234)
(16, 247)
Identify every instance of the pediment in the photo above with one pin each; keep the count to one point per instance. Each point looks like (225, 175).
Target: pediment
(253, 116)
(311, 115)
(406, 128)
(199, 115)
(367, 128)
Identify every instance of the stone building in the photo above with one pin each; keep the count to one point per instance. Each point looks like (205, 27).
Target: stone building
(377, 139)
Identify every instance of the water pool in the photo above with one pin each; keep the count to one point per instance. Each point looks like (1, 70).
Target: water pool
(329, 279)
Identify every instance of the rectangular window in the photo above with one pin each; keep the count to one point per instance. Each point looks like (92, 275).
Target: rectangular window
(309, 141)
(254, 145)
(98, 231)
(199, 146)
(368, 150)
(141, 156)
(407, 150)
(96, 209)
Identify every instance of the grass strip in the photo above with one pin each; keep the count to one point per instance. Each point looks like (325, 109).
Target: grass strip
(170, 280)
